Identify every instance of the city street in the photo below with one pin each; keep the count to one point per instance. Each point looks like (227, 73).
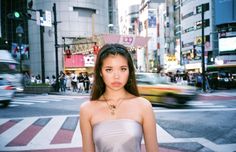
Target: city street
(50, 122)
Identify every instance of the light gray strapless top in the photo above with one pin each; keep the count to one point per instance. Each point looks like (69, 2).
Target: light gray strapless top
(120, 135)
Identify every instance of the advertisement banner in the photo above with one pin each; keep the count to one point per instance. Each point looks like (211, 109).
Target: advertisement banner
(16, 50)
(152, 18)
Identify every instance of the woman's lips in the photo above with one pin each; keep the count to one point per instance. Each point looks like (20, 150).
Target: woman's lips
(116, 84)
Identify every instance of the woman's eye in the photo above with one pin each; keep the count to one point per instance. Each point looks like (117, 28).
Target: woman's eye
(108, 70)
(123, 69)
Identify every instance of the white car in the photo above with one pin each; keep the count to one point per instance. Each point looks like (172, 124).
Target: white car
(7, 92)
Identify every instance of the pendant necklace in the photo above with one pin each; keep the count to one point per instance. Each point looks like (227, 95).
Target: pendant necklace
(112, 107)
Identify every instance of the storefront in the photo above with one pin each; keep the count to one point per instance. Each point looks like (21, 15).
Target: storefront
(81, 54)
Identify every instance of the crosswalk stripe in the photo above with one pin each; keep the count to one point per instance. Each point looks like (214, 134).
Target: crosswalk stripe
(2, 121)
(48, 132)
(14, 131)
(199, 103)
(43, 138)
(36, 101)
(76, 139)
(22, 103)
(13, 105)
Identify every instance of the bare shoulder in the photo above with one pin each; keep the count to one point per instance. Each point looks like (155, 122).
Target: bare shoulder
(87, 106)
(144, 102)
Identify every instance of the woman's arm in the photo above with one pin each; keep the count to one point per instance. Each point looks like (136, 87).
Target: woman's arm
(149, 128)
(86, 128)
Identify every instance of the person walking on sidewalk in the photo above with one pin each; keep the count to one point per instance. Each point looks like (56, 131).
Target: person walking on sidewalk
(80, 83)
(74, 81)
(116, 117)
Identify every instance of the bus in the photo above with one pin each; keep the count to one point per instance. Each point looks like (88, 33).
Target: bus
(221, 76)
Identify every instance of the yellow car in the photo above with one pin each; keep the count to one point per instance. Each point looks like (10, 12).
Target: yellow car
(159, 90)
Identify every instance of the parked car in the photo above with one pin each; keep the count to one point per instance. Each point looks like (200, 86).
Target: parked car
(6, 92)
(220, 79)
(159, 90)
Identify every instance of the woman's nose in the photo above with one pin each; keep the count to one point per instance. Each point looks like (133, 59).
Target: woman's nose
(116, 74)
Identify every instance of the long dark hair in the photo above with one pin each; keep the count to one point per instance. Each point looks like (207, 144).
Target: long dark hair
(99, 86)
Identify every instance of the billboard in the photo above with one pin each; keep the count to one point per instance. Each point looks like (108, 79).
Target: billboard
(227, 44)
(225, 11)
(15, 51)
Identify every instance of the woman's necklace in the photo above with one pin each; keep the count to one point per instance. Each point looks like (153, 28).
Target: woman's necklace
(112, 107)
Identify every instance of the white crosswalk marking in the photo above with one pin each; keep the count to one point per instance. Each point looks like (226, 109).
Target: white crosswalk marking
(22, 103)
(43, 139)
(37, 99)
(15, 130)
(224, 94)
(48, 132)
(201, 104)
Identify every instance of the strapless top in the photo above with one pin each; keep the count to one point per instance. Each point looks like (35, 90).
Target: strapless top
(120, 135)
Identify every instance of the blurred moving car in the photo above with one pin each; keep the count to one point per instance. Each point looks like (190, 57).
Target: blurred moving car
(10, 70)
(159, 90)
(6, 92)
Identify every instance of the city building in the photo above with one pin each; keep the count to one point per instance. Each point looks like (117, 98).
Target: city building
(148, 28)
(191, 36)
(224, 34)
(77, 22)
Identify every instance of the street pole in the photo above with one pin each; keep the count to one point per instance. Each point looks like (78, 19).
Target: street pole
(203, 51)
(56, 44)
(19, 32)
(42, 49)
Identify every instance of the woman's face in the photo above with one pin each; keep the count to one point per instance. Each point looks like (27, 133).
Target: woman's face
(115, 72)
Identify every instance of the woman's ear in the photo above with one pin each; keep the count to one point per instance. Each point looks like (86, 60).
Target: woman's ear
(101, 74)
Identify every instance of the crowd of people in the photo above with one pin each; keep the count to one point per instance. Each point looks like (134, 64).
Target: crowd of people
(81, 83)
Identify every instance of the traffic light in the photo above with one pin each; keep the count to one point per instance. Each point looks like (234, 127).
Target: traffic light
(19, 15)
(15, 15)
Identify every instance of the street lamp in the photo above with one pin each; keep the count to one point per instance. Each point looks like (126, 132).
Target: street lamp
(20, 32)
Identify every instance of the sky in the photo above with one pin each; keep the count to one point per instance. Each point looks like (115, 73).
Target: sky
(123, 4)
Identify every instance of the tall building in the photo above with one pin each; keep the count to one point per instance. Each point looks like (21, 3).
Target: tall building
(78, 21)
(191, 36)
(148, 28)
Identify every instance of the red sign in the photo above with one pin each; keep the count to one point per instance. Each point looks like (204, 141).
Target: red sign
(75, 61)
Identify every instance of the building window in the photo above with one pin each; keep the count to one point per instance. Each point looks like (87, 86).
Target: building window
(190, 29)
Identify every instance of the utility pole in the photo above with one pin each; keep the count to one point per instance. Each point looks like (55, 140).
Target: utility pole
(56, 44)
(42, 49)
(203, 50)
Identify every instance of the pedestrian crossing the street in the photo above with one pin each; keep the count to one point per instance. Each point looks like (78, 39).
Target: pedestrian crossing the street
(30, 100)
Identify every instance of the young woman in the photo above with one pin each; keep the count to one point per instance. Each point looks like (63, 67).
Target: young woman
(116, 118)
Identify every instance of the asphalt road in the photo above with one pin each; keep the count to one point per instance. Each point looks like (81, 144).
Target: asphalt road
(41, 122)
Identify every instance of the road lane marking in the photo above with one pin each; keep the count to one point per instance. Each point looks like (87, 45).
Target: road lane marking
(193, 110)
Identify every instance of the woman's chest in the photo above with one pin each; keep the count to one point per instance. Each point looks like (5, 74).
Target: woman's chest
(125, 111)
